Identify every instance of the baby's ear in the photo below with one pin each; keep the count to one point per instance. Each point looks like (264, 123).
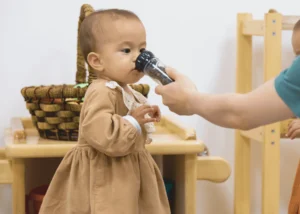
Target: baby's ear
(95, 62)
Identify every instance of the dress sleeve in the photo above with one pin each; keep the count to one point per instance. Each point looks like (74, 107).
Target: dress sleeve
(106, 131)
(287, 85)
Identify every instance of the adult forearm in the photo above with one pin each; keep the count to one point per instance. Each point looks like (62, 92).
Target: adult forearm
(259, 107)
(223, 109)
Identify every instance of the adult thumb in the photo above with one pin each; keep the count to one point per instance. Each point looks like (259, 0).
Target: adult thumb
(172, 73)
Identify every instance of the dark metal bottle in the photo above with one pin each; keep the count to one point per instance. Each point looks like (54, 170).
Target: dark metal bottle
(146, 62)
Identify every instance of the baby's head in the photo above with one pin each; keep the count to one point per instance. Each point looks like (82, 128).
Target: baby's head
(110, 41)
(296, 38)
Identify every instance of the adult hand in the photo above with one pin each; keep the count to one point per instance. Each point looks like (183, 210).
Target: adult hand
(177, 95)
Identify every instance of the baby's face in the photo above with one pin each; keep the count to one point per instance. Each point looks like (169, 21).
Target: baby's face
(126, 38)
(296, 41)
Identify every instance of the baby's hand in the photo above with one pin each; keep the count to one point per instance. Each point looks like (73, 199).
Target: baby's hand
(140, 112)
(293, 129)
(156, 113)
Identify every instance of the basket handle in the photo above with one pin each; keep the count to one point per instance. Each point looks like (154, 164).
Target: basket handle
(85, 11)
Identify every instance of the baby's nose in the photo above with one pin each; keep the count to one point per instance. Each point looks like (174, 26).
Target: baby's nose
(135, 57)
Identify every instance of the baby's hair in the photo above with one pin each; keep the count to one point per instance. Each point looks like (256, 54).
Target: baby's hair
(297, 25)
(91, 26)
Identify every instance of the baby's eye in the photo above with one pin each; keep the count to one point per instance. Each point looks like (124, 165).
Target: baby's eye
(126, 50)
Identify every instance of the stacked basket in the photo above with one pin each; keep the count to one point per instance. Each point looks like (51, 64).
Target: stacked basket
(55, 109)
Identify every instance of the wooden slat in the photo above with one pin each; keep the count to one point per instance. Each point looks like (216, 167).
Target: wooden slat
(257, 27)
(288, 22)
(214, 169)
(5, 172)
(174, 126)
(59, 150)
(253, 28)
(271, 145)
(256, 134)
(18, 186)
(242, 144)
(190, 183)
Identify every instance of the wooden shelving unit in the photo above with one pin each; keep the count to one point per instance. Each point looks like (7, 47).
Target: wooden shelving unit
(269, 136)
(28, 161)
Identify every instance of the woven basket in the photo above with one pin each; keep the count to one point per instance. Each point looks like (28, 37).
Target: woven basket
(55, 109)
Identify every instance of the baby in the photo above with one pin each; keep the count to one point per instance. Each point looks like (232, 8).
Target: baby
(296, 38)
(294, 126)
(109, 171)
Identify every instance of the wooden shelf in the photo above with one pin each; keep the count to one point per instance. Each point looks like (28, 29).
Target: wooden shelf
(269, 136)
(258, 27)
(174, 145)
(258, 134)
(170, 138)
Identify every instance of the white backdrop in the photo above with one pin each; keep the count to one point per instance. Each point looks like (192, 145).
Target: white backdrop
(38, 46)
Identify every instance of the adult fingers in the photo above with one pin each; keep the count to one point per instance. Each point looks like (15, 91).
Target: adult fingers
(172, 73)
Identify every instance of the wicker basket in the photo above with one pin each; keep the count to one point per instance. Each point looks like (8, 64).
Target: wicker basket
(55, 109)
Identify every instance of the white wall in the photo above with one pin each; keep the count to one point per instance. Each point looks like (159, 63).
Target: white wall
(38, 46)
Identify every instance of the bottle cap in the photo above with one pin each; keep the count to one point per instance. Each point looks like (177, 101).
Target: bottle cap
(143, 59)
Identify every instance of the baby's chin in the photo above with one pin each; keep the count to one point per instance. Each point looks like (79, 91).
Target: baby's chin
(138, 74)
(135, 78)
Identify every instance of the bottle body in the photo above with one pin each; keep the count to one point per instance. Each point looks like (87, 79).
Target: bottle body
(152, 67)
(156, 70)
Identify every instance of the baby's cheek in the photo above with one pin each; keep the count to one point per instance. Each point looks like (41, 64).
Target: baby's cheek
(296, 41)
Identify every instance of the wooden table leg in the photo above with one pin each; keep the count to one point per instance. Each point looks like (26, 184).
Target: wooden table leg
(190, 182)
(271, 170)
(182, 169)
(18, 186)
(242, 175)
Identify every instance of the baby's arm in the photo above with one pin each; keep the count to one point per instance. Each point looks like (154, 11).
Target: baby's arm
(106, 131)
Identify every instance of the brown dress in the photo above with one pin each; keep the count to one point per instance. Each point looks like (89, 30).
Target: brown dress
(109, 171)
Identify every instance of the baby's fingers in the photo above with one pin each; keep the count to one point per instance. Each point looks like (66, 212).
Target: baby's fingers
(148, 120)
(156, 113)
(143, 107)
(292, 129)
(293, 123)
(294, 134)
(146, 111)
